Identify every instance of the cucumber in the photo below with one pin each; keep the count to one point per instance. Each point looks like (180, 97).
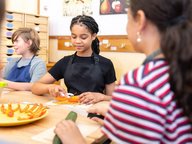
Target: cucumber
(71, 116)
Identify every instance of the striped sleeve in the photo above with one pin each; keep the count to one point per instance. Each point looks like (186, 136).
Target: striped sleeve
(138, 109)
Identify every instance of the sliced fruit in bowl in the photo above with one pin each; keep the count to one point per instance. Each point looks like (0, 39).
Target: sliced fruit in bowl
(12, 114)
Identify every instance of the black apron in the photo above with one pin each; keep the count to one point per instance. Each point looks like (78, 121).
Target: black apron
(84, 77)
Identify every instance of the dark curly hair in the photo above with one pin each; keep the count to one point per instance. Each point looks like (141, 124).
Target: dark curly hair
(92, 26)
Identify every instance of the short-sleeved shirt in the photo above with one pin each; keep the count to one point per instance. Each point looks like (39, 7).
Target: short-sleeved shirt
(143, 109)
(106, 67)
(37, 69)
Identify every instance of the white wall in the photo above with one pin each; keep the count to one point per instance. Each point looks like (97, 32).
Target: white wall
(25, 6)
(59, 24)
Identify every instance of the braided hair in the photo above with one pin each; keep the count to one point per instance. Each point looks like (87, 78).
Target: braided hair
(92, 26)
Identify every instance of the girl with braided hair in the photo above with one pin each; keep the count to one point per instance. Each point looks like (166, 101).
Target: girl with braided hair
(85, 73)
(153, 103)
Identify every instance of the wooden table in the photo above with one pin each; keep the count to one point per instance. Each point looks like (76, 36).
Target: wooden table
(24, 133)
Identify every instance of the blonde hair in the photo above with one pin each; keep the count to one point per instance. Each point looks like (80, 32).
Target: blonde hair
(28, 34)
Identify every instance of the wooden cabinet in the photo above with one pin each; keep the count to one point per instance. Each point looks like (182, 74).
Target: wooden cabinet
(40, 24)
(12, 21)
(15, 20)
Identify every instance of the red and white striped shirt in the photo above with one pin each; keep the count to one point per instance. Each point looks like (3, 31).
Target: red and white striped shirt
(143, 110)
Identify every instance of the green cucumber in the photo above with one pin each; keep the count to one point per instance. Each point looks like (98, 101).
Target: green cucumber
(71, 116)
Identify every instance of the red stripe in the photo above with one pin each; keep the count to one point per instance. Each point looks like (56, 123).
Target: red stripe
(128, 102)
(160, 84)
(155, 77)
(141, 116)
(181, 124)
(138, 95)
(180, 134)
(126, 78)
(164, 94)
(124, 138)
(186, 141)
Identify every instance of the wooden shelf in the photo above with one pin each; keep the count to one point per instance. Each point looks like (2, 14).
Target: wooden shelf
(108, 43)
(15, 20)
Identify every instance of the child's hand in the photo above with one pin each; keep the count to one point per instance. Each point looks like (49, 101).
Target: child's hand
(98, 120)
(56, 90)
(99, 108)
(69, 133)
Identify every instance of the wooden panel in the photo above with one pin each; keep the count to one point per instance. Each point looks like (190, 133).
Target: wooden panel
(12, 24)
(43, 43)
(37, 27)
(112, 43)
(115, 43)
(5, 57)
(50, 65)
(14, 16)
(6, 50)
(43, 50)
(6, 41)
(36, 19)
(43, 35)
(7, 33)
(43, 56)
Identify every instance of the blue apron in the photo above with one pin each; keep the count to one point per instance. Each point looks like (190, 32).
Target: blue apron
(20, 74)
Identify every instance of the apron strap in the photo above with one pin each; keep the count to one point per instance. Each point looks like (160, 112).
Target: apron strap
(18, 60)
(31, 60)
(96, 58)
